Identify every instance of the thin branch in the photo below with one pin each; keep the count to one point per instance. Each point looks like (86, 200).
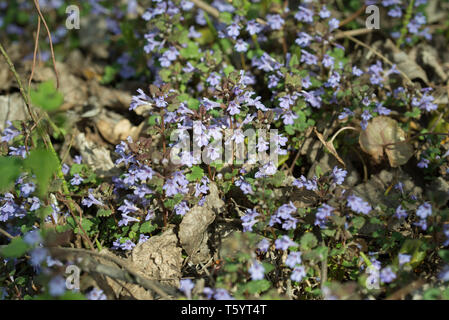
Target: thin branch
(353, 16)
(127, 274)
(6, 234)
(19, 82)
(353, 33)
(36, 45)
(36, 4)
(377, 53)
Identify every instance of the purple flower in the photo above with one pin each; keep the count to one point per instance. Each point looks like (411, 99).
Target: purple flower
(298, 273)
(222, 294)
(424, 210)
(356, 71)
(358, 205)
(324, 212)
(214, 79)
(380, 109)
(312, 98)
(308, 58)
(33, 237)
(143, 238)
(263, 245)
(27, 188)
(241, 46)
(19, 152)
(308, 184)
(293, 259)
(128, 207)
(90, 200)
(338, 175)
(334, 80)
(57, 286)
(257, 271)
(422, 224)
(284, 242)
(181, 208)
(65, 169)
(244, 186)
(395, 12)
(333, 24)
(38, 256)
(304, 15)
(78, 159)
(424, 163)
(127, 245)
(303, 39)
(404, 258)
(127, 219)
(233, 30)
(178, 184)
(387, 275)
(425, 103)
(76, 180)
(141, 99)
(142, 190)
(267, 169)
(186, 286)
(275, 21)
(328, 61)
(144, 173)
(96, 294)
(400, 212)
(346, 113)
(9, 133)
(249, 220)
(289, 118)
(324, 13)
(233, 108)
(253, 27)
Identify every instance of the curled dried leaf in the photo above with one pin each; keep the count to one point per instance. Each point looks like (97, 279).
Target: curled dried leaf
(384, 134)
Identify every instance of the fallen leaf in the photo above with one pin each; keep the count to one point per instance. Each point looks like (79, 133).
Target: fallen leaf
(330, 147)
(384, 133)
(193, 233)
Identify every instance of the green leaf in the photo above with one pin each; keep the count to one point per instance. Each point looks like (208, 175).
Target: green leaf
(308, 241)
(47, 97)
(225, 17)
(444, 254)
(147, 227)
(109, 74)
(358, 222)
(258, 286)
(104, 212)
(43, 164)
(197, 174)
(9, 171)
(16, 248)
(414, 247)
(191, 51)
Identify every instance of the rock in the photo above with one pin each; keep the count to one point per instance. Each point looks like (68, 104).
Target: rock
(374, 189)
(73, 88)
(193, 233)
(12, 107)
(159, 258)
(98, 158)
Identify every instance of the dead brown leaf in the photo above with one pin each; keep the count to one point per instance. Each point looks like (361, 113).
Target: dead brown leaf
(384, 133)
